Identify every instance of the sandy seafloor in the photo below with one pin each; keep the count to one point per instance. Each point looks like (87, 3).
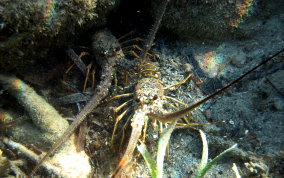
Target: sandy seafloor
(254, 108)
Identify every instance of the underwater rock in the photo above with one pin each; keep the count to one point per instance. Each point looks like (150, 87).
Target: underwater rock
(49, 123)
(220, 60)
(49, 127)
(44, 116)
(29, 30)
(213, 19)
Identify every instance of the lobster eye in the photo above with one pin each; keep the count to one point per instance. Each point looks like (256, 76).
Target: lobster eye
(137, 100)
(155, 97)
(117, 49)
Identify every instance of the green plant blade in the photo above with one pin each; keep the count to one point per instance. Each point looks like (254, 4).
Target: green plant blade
(202, 172)
(148, 159)
(204, 159)
(162, 145)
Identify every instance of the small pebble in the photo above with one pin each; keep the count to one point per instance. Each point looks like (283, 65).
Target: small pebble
(187, 67)
(279, 105)
(208, 114)
(155, 136)
(232, 122)
(239, 59)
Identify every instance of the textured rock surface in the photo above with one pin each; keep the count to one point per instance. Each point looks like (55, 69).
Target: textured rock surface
(29, 30)
(46, 127)
(215, 19)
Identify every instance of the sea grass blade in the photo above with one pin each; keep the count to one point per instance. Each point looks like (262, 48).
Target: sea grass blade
(148, 159)
(204, 159)
(162, 145)
(202, 172)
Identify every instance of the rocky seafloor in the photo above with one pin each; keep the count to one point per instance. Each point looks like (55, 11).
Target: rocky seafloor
(254, 108)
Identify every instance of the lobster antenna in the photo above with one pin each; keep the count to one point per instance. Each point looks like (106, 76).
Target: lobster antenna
(154, 30)
(169, 117)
